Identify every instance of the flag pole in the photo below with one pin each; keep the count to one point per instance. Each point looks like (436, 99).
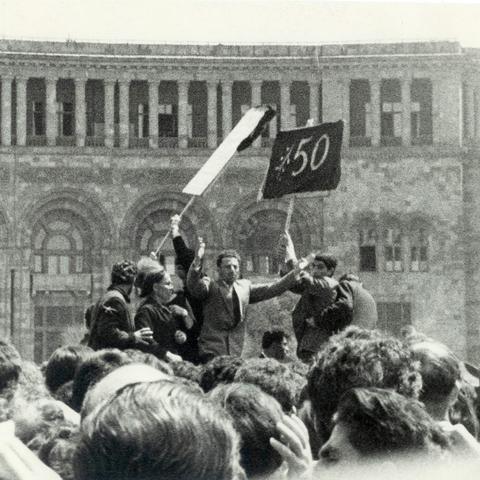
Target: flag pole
(289, 213)
(187, 206)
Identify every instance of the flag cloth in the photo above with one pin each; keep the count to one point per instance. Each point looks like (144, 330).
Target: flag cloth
(305, 160)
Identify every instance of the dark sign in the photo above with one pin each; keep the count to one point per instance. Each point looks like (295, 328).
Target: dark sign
(305, 160)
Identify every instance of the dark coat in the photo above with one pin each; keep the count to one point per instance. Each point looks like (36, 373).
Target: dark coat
(111, 325)
(164, 322)
(221, 333)
(353, 306)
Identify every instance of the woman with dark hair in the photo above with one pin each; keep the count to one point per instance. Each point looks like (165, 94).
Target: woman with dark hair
(168, 323)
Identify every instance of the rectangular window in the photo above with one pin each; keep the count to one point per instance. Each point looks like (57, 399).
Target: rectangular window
(393, 317)
(419, 252)
(368, 250)
(393, 251)
(167, 121)
(391, 112)
(360, 113)
(421, 111)
(65, 119)
(38, 116)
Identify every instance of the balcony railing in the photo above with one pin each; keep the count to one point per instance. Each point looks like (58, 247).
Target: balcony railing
(64, 141)
(360, 141)
(138, 142)
(96, 141)
(168, 142)
(198, 142)
(36, 140)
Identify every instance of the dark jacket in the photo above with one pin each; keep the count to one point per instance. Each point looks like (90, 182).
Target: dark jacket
(111, 325)
(164, 321)
(353, 306)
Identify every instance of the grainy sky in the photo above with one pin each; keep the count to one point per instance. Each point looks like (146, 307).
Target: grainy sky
(237, 21)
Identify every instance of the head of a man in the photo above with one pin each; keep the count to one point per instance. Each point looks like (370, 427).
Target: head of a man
(124, 273)
(157, 430)
(323, 266)
(372, 425)
(228, 265)
(275, 345)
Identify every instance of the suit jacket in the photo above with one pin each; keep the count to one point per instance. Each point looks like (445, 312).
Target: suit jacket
(221, 334)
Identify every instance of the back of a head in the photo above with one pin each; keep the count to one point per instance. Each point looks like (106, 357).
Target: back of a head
(123, 273)
(92, 370)
(347, 362)
(62, 364)
(440, 369)
(274, 378)
(221, 369)
(157, 430)
(382, 422)
(255, 416)
(149, 272)
(329, 261)
(146, 358)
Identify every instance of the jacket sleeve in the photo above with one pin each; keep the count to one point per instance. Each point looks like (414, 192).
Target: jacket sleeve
(258, 293)
(112, 325)
(182, 252)
(338, 315)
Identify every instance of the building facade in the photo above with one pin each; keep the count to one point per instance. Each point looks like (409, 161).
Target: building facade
(98, 140)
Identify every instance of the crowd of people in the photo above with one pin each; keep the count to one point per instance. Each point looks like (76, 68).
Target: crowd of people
(166, 393)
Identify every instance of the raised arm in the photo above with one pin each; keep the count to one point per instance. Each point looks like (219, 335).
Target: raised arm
(198, 284)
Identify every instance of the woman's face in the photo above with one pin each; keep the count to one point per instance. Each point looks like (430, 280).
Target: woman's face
(164, 289)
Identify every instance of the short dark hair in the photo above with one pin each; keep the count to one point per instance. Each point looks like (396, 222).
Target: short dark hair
(124, 273)
(329, 261)
(150, 280)
(221, 369)
(228, 254)
(157, 430)
(381, 421)
(273, 336)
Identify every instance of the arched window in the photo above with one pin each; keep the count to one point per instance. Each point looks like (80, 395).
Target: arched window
(152, 231)
(259, 237)
(419, 250)
(393, 250)
(61, 244)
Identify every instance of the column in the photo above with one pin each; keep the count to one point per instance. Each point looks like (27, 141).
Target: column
(153, 86)
(256, 101)
(406, 112)
(285, 105)
(6, 111)
(477, 112)
(80, 112)
(226, 107)
(375, 111)
(313, 85)
(470, 112)
(21, 111)
(51, 111)
(212, 114)
(124, 112)
(109, 102)
(182, 113)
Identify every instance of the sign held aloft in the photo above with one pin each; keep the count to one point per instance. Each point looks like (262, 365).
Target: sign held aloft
(246, 130)
(305, 160)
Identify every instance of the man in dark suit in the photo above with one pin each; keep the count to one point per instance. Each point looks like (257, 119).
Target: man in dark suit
(226, 302)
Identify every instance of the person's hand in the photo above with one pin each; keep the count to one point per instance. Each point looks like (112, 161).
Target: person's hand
(153, 256)
(144, 336)
(18, 462)
(200, 252)
(294, 447)
(180, 337)
(172, 357)
(174, 225)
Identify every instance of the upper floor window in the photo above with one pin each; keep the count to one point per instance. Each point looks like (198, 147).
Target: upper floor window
(393, 250)
(167, 121)
(391, 112)
(66, 125)
(419, 251)
(38, 117)
(421, 111)
(360, 113)
(368, 250)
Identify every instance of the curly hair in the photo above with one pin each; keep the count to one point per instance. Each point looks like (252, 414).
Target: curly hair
(347, 362)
